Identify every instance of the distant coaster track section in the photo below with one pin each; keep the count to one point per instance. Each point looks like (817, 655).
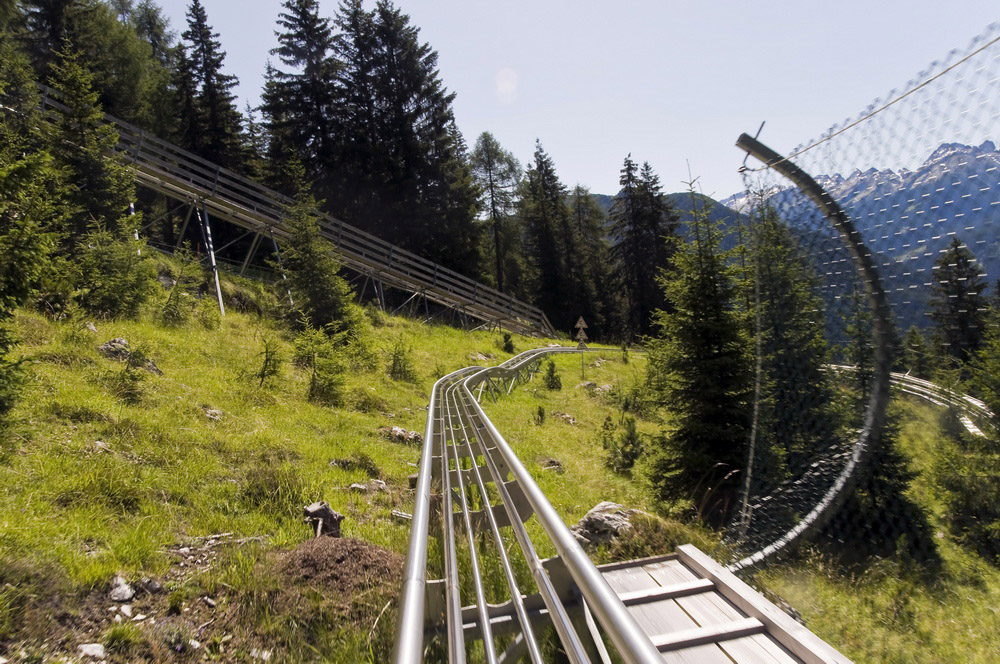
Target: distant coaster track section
(181, 175)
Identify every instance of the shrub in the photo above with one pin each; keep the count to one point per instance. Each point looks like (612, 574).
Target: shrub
(624, 450)
(508, 343)
(552, 380)
(114, 278)
(326, 384)
(401, 363)
(270, 361)
(276, 489)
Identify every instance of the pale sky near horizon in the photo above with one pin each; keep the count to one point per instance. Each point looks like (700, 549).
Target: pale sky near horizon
(672, 83)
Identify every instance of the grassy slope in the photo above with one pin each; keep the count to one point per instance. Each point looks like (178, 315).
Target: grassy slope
(889, 613)
(72, 515)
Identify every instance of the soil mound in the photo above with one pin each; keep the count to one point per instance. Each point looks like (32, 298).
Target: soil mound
(341, 567)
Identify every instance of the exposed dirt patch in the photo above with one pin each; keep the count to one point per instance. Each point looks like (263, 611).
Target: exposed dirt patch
(342, 570)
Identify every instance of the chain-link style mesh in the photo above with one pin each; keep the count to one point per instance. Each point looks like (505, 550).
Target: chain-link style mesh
(918, 177)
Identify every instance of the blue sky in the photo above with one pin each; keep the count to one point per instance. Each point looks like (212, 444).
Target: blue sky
(672, 83)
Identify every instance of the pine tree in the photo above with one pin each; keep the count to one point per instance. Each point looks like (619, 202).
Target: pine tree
(497, 173)
(797, 419)
(324, 298)
(956, 305)
(28, 208)
(401, 170)
(98, 189)
(641, 222)
(590, 224)
(917, 358)
(700, 370)
(111, 275)
(218, 124)
(543, 212)
(298, 103)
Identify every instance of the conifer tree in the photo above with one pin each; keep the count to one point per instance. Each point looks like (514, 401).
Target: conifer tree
(28, 208)
(641, 221)
(98, 190)
(217, 130)
(298, 102)
(590, 224)
(551, 243)
(699, 368)
(323, 297)
(111, 275)
(797, 419)
(917, 358)
(956, 305)
(401, 170)
(497, 173)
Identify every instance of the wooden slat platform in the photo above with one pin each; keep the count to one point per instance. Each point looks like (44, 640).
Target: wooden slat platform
(695, 611)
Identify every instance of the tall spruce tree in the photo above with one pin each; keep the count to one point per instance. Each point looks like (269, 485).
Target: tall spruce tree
(562, 288)
(298, 101)
(590, 224)
(797, 418)
(29, 211)
(641, 221)
(400, 170)
(700, 370)
(497, 173)
(956, 305)
(322, 296)
(216, 132)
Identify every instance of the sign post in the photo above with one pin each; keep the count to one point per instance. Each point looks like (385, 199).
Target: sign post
(581, 336)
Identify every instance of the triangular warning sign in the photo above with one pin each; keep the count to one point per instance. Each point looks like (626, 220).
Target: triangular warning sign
(581, 324)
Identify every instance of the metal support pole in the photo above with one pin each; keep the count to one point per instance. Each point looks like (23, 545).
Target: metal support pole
(206, 229)
(184, 226)
(284, 277)
(251, 253)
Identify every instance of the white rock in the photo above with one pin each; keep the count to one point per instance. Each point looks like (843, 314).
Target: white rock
(3, 660)
(194, 644)
(139, 618)
(121, 591)
(127, 610)
(118, 618)
(93, 650)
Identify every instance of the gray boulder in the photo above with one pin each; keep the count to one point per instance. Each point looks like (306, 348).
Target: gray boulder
(603, 523)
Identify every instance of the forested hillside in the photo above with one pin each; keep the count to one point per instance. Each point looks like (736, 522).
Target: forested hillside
(146, 435)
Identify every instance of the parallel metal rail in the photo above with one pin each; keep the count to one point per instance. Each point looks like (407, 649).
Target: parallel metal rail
(179, 174)
(466, 463)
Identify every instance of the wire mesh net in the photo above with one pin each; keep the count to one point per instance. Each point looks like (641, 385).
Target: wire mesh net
(918, 177)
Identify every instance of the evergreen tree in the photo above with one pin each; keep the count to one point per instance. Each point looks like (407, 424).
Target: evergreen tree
(98, 189)
(102, 254)
(917, 358)
(641, 221)
(553, 245)
(28, 209)
(796, 416)
(131, 83)
(700, 370)
(589, 223)
(956, 305)
(497, 173)
(216, 134)
(324, 298)
(298, 103)
(400, 170)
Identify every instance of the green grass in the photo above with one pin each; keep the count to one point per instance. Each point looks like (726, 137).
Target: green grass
(891, 611)
(105, 471)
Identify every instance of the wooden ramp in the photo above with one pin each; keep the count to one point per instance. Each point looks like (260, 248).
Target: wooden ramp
(695, 611)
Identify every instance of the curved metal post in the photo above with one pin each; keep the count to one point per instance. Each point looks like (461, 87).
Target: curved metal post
(883, 333)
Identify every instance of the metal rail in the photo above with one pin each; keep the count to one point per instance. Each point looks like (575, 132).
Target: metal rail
(465, 464)
(179, 174)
